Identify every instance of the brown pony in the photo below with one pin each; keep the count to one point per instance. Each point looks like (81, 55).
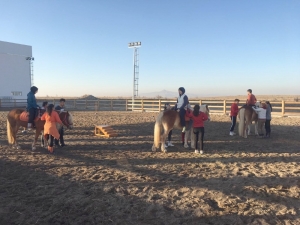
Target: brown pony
(14, 123)
(246, 115)
(166, 121)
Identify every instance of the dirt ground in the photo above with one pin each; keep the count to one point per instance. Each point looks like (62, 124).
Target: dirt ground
(95, 180)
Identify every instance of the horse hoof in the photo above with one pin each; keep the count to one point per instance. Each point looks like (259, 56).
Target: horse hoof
(186, 145)
(164, 151)
(153, 149)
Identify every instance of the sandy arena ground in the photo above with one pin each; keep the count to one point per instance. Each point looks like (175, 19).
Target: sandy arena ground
(119, 180)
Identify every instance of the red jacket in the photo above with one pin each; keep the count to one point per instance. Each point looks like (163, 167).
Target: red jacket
(234, 109)
(198, 120)
(251, 100)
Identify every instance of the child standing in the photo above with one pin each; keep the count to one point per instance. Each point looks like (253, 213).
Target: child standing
(169, 143)
(44, 106)
(61, 108)
(268, 119)
(50, 130)
(233, 114)
(261, 117)
(198, 117)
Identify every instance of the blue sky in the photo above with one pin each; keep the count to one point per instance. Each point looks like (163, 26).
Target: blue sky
(212, 48)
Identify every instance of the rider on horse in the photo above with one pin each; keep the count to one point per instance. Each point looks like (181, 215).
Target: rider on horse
(32, 106)
(182, 101)
(251, 99)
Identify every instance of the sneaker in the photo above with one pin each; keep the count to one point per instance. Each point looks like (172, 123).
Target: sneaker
(231, 133)
(166, 145)
(197, 151)
(24, 131)
(183, 129)
(201, 152)
(170, 144)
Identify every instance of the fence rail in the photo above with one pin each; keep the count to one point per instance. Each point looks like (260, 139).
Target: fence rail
(280, 108)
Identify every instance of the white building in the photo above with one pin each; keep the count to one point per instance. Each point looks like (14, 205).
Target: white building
(15, 71)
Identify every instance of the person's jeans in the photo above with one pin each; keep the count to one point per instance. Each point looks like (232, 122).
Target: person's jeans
(233, 122)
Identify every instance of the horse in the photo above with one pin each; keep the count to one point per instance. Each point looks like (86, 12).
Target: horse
(246, 115)
(166, 121)
(17, 118)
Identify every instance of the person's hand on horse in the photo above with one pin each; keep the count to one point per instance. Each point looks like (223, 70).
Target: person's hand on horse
(178, 110)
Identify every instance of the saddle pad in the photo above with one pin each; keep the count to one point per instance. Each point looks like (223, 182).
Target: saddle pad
(24, 116)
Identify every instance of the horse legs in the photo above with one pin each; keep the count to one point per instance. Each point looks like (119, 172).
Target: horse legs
(249, 129)
(15, 131)
(37, 134)
(163, 139)
(186, 137)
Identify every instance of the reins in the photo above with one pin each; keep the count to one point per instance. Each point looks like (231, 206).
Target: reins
(65, 119)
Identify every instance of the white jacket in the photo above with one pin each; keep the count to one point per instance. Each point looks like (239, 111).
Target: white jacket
(180, 101)
(262, 113)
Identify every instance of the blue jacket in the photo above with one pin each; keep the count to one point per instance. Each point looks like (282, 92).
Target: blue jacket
(31, 101)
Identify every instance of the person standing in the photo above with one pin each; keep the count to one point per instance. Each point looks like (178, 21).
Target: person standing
(61, 108)
(198, 117)
(32, 107)
(261, 117)
(50, 131)
(268, 119)
(233, 114)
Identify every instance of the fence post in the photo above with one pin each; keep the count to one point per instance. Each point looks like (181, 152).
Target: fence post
(224, 105)
(126, 105)
(283, 108)
(142, 105)
(111, 105)
(98, 105)
(74, 103)
(53, 101)
(86, 104)
(200, 102)
(14, 102)
(159, 105)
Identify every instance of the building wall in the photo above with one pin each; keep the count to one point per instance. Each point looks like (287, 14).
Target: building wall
(15, 71)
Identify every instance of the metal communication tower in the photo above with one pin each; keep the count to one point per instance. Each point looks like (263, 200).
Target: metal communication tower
(31, 59)
(135, 92)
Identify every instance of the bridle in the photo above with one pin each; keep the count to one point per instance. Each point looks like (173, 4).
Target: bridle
(65, 119)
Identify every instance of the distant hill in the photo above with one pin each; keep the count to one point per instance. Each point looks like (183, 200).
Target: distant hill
(164, 94)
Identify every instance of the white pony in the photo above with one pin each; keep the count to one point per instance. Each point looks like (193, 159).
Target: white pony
(246, 115)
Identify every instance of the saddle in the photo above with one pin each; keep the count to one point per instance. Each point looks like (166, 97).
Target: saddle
(24, 115)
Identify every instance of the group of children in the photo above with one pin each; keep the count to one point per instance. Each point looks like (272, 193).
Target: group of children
(264, 114)
(50, 116)
(198, 117)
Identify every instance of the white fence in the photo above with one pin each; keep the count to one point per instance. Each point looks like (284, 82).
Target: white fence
(282, 108)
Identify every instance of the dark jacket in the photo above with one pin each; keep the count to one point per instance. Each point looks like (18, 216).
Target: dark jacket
(31, 101)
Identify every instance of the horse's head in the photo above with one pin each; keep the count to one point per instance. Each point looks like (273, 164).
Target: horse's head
(205, 109)
(66, 119)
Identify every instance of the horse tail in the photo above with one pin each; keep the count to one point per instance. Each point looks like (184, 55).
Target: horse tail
(157, 130)
(242, 121)
(10, 136)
